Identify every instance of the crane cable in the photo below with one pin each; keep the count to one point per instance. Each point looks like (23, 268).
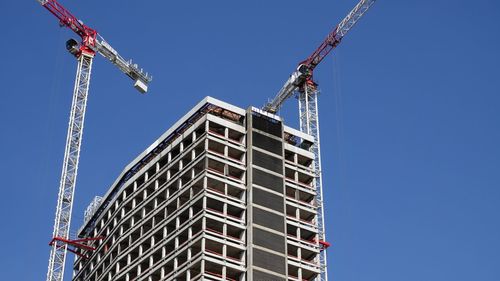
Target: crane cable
(342, 191)
(53, 96)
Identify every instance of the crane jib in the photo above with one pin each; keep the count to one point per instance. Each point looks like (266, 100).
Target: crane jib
(331, 42)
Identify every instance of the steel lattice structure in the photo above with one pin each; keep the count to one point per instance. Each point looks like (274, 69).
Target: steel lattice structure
(301, 83)
(91, 43)
(309, 124)
(70, 168)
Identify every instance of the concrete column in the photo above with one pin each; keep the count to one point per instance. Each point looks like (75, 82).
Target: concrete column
(177, 222)
(176, 263)
(224, 210)
(202, 268)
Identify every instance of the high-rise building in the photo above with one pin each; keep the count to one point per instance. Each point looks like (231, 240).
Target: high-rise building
(224, 194)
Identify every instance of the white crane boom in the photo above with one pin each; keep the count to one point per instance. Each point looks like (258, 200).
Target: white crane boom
(128, 67)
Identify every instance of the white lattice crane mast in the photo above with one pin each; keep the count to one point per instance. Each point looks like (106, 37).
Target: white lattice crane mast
(84, 51)
(302, 84)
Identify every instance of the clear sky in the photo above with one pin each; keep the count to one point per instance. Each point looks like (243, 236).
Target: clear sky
(409, 119)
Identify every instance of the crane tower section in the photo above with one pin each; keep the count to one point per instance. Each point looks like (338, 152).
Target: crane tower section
(91, 43)
(70, 166)
(301, 84)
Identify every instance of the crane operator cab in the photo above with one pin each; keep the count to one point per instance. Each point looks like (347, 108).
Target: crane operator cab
(73, 47)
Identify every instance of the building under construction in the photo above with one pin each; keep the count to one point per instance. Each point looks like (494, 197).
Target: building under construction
(224, 194)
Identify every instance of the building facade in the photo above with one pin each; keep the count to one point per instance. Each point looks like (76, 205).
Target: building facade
(224, 194)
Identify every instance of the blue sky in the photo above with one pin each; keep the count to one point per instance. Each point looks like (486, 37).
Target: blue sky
(408, 111)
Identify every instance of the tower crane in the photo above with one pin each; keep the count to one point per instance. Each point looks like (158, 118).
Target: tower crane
(84, 51)
(302, 84)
